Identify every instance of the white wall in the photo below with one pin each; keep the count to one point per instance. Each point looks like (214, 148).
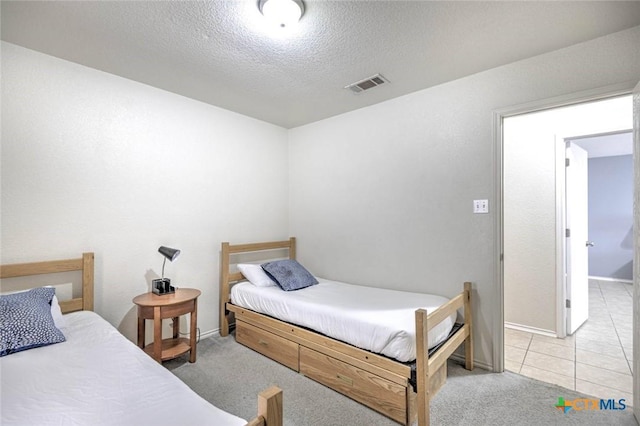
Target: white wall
(611, 217)
(531, 145)
(95, 162)
(383, 195)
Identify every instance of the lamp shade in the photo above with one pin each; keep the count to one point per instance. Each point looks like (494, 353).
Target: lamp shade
(282, 13)
(169, 252)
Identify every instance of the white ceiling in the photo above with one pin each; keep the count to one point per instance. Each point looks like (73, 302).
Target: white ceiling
(607, 145)
(224, 54)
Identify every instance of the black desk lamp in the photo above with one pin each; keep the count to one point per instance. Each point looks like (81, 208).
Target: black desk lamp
(163, 285)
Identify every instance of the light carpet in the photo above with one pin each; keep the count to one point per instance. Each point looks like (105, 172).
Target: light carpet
(230, 376)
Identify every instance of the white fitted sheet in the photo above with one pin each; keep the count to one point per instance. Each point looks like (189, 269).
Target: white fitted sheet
(375, 319)
(97, 377)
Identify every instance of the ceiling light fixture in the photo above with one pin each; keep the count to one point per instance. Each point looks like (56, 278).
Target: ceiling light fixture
(282, 13)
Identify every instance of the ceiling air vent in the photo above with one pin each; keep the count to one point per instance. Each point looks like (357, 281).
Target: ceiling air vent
(367, 83)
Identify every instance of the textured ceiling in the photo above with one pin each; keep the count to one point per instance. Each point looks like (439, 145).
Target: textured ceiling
(224, 54)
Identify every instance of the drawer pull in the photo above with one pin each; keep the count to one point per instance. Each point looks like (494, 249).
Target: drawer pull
(263, 342)
(345, 379)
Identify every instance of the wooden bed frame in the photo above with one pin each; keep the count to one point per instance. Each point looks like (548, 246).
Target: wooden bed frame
(269, 400)
(83, 264)
(373, 380)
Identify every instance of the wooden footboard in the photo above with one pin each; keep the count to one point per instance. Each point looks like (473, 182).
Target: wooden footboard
(376, 381)
(269, 408)
(426, 367)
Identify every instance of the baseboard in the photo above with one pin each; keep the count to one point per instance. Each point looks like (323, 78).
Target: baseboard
(210, 333)
(216, 331)
(460, 360)
(619, 280)
(528, 329)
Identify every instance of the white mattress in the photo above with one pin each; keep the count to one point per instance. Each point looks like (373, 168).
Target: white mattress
(97, 377)
(375, 319)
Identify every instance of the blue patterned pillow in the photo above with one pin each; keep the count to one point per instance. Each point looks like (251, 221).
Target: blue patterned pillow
(26, 321)
(289, 274)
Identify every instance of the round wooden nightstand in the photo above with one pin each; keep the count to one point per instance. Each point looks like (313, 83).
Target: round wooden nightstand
(154, 307)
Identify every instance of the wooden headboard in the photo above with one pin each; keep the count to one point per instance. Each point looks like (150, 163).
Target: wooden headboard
(83, 264)
(227, 277)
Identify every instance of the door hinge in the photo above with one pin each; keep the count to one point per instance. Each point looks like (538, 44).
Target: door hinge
(567, 162)
(567, 303)
(567, 232)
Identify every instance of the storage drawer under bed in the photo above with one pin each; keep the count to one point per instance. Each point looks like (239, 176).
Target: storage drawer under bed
(268, 344)
(367, 388)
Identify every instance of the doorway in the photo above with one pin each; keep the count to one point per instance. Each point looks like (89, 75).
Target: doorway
(536, 299)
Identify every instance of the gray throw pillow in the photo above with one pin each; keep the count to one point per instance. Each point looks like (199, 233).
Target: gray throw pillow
(289, 274)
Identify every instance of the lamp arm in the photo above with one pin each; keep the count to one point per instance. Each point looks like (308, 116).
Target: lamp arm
(163, 262)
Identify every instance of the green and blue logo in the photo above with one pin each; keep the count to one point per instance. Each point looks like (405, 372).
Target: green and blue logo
(590, 404)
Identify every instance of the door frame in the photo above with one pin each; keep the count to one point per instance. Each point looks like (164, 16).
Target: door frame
(561, 243)
(636, 255)
(625, 88)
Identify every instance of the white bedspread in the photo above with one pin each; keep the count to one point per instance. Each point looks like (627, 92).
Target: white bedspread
(375, 319)
(97, 377)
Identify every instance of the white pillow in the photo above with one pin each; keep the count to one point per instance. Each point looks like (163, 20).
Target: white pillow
(58, 319)
(256, 275)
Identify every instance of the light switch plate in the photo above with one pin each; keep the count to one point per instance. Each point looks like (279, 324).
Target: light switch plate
(481, 206)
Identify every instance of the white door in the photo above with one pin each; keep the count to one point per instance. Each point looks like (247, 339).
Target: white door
(577, 258)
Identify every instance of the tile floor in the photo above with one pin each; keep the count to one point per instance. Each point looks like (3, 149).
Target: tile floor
(596, 360)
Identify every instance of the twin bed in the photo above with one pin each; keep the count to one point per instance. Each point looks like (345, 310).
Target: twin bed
(385, 349)
(96, 376)
(390, 355)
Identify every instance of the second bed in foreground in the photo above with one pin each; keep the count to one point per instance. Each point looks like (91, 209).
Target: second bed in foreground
(94, 376)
